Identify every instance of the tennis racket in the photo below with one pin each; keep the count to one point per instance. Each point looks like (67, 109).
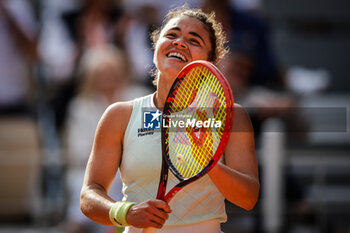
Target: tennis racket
(196, 125)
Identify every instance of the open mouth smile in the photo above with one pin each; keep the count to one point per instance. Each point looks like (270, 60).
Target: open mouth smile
(177, 56)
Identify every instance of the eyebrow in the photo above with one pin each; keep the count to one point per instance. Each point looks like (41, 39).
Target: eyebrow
(192, 33)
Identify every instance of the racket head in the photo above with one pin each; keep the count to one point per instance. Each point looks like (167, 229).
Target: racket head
(200, 93)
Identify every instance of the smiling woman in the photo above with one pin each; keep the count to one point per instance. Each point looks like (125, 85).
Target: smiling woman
(214, 29)
(213, 36)
(187, 35)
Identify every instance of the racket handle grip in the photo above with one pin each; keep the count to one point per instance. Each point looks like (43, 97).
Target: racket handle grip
(149, 230)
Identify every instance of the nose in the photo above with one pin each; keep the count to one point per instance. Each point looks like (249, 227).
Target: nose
(180, 43)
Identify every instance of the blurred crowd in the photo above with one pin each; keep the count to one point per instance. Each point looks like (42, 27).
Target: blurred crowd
(63, 62)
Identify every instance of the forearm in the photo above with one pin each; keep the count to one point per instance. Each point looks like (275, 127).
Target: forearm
(95, 204)
(239, 188)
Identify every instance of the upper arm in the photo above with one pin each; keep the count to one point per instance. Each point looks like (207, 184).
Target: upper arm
(240, 150)
(107, 148)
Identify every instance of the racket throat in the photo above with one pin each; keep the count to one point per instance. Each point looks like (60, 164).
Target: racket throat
(162, 188)
(172, 193)
(163, 180)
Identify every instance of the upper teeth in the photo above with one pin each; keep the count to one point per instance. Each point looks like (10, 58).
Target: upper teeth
(174, 54)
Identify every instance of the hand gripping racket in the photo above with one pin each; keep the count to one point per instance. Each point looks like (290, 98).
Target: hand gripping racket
(196, 125)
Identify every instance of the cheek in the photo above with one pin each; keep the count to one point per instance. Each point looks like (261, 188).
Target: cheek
(156, 52)
(155, 58)
(159, 47)
(200, 54)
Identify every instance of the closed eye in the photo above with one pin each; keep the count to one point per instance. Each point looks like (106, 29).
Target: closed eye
(194, 42)
(171, 35)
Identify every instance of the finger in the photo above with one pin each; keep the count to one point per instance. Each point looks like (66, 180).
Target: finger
(158, 215)
(152, 217)
(162, 205)
(146, 215)
(157, 221)
(153, 224)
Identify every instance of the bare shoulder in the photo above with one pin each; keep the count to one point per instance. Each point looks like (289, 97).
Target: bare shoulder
(241, 122)
(116, 116)
(121, 109)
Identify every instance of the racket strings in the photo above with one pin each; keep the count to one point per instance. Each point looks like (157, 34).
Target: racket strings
(189, 166)
(187, 92)
(192, 148)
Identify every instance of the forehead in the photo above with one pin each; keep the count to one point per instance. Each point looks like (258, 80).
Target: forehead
(188, 24)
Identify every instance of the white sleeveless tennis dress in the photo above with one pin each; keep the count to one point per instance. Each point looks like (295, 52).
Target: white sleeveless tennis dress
(198, 207)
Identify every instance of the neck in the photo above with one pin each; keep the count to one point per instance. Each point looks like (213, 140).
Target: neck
(163, 87)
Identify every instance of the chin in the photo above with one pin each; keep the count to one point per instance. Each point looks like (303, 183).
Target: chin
(173, 69)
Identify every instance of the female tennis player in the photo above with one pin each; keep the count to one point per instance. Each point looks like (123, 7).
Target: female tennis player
(121, 143)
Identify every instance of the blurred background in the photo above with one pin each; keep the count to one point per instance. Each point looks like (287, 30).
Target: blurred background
(62, 62)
